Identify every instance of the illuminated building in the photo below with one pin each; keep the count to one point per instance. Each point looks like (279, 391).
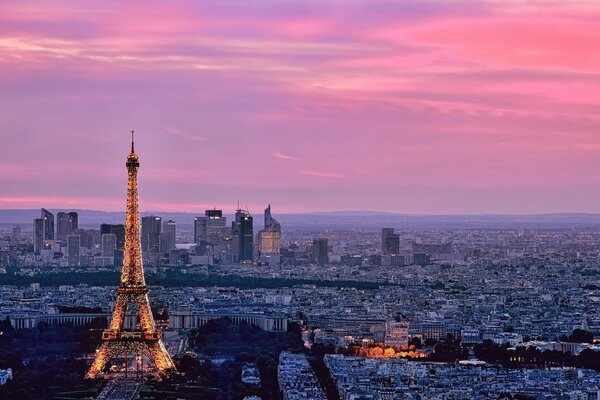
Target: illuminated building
(210, 228)
(396, 334)
(243, 229)
(145, 340)
(215, 226)
(270, 236)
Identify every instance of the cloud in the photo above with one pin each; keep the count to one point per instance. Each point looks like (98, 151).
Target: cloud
(183, 134)
(321, 174)
(283, 156)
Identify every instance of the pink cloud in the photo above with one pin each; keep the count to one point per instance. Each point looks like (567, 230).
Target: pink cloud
(282, 156)
(320, 174)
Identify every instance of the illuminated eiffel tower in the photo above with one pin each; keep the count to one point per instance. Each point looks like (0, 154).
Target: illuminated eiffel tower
(146, 339)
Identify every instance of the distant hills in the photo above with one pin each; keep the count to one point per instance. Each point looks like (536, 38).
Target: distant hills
(343, 220)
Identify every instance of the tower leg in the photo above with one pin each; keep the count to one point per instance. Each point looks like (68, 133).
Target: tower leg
(161, 357)
(100, 361)
(118, 315)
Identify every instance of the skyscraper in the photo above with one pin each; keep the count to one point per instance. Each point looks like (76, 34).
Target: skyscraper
(66, 223)
(38, 235)
(43, 230)
(200, 230)
(16, 233)
(384, 234)
(320, 251)
(48, 218)
(116, 229)
(167, 238)
(215, 226)
(390, 241)
(245, 234)
(151, 230)
(269, 238)
(109, 244)
(73, 250)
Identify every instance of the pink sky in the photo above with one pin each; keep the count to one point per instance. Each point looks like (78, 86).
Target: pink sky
(412, 106)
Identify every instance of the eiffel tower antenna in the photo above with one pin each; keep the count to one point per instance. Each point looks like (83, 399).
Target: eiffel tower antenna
(145, 340)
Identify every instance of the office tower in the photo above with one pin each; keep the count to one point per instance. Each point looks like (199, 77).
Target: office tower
(320, 251)
(116, 229)
(215, 226)
(384, 234)
(38, 235)
(48, 218)
(73, 250)
(244, 229)
(392, 245)
(16, 233)
(109, 244)
(89, 237)
(200, 230)
(63, 226)
(146, 340)
(151, 230)
(66, 224)
(390, 241)
(43, 230)
(269, 238)
(167, 238)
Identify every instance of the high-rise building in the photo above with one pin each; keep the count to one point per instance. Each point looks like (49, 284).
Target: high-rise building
(90, 238)
(38, 235)
(43, 230)
(16, 233)
(200, 230)
(48, 217)
(109, 244)
(320, 251)
(63, 226)
(116, 229)
(151, 230)
(211, 228)
(215, 226)
(245, 233)
(73, 250)
(390, 241)
(66, 223)
(167, 238)
(269, 238)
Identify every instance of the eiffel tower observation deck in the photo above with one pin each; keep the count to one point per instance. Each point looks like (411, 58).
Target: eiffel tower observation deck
(145, 340)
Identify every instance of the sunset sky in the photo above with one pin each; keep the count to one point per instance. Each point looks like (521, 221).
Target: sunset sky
(406, 106)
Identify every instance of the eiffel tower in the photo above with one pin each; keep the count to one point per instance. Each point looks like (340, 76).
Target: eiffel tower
(145, 340)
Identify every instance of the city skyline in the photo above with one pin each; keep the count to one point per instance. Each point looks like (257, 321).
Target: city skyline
(424, 107)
